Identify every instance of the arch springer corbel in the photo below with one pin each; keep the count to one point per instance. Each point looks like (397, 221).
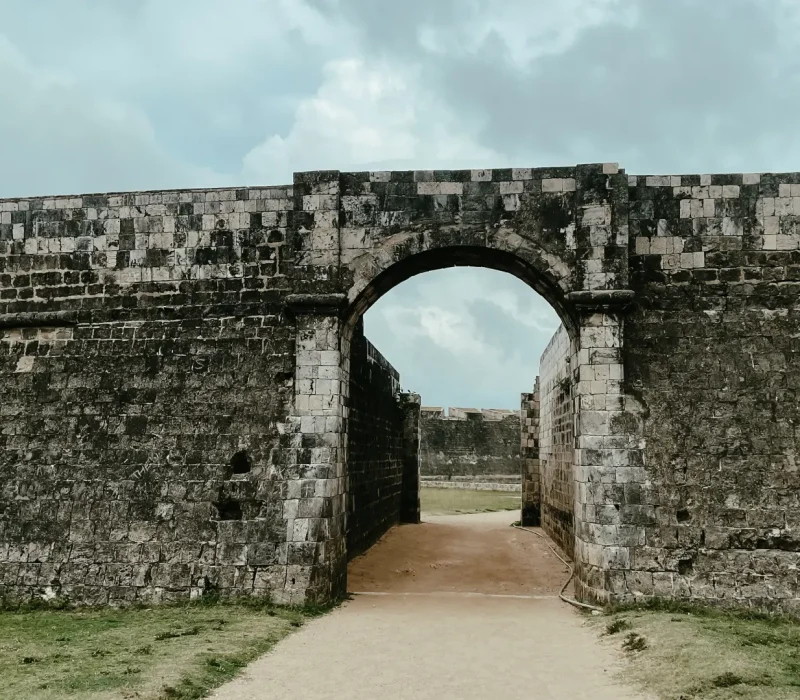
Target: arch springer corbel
(316, 304)
(602, 300)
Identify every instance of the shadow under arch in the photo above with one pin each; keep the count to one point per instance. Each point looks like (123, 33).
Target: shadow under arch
(460, 256)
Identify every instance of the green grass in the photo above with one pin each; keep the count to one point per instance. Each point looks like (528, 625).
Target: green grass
(177, 652)
(459, 501)
(686, 652)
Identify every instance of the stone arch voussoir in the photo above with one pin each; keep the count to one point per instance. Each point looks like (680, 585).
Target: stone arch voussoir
(377, 271)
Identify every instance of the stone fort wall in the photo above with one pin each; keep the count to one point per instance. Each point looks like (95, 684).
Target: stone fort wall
(713, 371)
(168, 424)
(147, 369)
(151, 358)
(469, 442)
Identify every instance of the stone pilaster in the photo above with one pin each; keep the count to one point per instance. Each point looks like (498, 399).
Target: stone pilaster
(314, 231)
(315, 503)
(601, 231)
(607, 457)
(409, 496)
(530, 514)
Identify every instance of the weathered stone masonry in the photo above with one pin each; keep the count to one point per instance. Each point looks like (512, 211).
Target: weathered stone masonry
(712, 361)
(176, 374)
(144, 453)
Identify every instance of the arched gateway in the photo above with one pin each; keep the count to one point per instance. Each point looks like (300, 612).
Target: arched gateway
(175, 369)
(563, 231)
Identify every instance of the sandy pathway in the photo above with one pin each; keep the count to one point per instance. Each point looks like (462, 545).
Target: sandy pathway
(460, 553)
(459, 608)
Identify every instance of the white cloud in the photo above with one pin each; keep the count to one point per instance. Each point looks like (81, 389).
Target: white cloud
(538, 316)
(463, 336)
(457, 288)
(153, 44)
(211, 81)
(362, 116)
(453, 332)
(449, 321)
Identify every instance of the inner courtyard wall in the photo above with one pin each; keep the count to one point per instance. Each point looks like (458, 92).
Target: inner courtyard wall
(469, 442)
(557, 442)
(376, 435)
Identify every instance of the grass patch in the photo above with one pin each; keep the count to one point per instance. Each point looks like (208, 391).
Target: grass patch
(634, 642)
(462, 501)
(166, 652)
(617, 626)
(688, 652)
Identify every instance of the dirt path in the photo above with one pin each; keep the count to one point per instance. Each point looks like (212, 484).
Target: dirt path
(458, 608)
(460, 553)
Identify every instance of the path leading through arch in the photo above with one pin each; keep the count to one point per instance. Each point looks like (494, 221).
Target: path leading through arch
(461, 608)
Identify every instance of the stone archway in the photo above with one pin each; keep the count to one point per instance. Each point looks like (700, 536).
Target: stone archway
(564, 231)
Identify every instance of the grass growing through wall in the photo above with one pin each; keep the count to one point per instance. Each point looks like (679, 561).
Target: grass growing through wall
(177, 652)
(461, 501)
(683, 652)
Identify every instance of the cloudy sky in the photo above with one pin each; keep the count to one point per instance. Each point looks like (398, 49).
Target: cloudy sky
(102, 95)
